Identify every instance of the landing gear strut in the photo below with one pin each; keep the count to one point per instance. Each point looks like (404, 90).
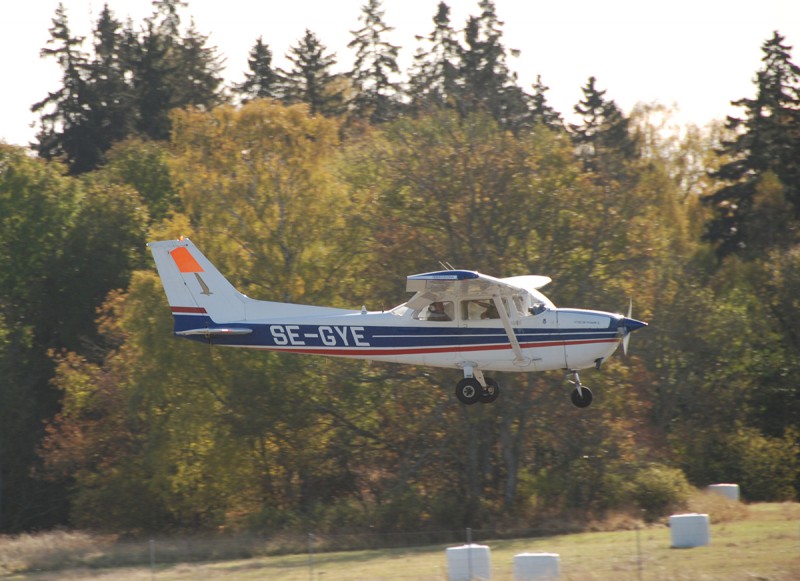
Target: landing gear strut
(581, 396)
(471, 390)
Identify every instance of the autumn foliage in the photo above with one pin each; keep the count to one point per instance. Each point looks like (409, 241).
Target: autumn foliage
(109, 422)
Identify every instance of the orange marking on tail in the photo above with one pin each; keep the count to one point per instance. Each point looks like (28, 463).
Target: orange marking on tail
(185, 261)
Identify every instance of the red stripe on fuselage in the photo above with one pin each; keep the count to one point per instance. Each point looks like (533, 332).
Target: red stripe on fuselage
(366, 351)
(193, 310)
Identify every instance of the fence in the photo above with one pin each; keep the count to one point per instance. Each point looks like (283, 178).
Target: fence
(740, 550)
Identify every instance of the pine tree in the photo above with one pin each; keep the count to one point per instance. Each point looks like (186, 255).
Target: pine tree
(112, 110)
(603, 135)
(172, 71)
(311, 81)
(435, 74)
(152, 91)
(486, 79)
(200, 78)
(541, 112)
(127, 86)
(64, 132)
(766, 142)
(263, 81)
(375, 64)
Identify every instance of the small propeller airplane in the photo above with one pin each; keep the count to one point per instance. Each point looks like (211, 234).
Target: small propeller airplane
(459, 319)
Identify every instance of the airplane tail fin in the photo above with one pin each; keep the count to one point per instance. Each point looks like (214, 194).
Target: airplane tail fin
(198, 295)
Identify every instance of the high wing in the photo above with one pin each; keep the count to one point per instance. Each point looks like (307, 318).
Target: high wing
(460, 284)
(431, 286)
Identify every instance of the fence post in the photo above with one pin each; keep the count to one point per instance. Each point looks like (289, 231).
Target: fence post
(152, 559)
(469, 552)
(640, 564)
(310, 557)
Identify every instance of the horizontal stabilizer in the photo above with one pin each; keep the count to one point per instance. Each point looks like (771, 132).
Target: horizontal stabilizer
(218, 332)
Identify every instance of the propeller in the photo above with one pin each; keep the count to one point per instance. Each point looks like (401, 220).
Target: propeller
(626, 334)
(628, 325)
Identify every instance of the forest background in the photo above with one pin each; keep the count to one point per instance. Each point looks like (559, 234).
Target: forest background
(313, 187)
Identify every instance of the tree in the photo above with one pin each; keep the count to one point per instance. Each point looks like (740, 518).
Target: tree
(541, 111)
(146, 439)
(263, 81)
(485, 76)
(259, 187)
(64, 244)
(113, 112)
(65, 129)
(171, 71)
(311, 81)
(435, 75)
(144, 166)
(37, 205)
(376, 94)
(128, 85)
(756, 207)
(686, 151)
(467, 192)
(603, 137)
(764, 141)
(454, 190)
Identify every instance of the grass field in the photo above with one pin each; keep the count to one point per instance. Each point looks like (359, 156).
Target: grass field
(762, 543)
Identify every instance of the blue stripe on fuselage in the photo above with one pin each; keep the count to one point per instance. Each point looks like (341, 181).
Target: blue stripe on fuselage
(368, 337)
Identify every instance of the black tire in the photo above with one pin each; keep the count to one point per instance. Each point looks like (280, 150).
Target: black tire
(583, 401)
(468, 390)
(491, 392)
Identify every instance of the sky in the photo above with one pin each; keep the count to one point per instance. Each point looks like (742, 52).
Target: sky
(695, 55)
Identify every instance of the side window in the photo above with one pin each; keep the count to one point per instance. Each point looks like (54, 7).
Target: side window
(519, 304)
(437, 311)
(479, 309)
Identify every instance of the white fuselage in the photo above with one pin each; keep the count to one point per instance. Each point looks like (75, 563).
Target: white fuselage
(456, 318)
(552, 339)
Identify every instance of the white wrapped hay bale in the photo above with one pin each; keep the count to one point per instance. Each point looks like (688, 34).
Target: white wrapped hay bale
(469, 563)
(689, 530)
(537, 566)
(729, 491)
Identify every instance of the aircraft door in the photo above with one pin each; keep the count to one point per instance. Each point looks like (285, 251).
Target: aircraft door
(540, 334)
(478, 312)
(482, 329)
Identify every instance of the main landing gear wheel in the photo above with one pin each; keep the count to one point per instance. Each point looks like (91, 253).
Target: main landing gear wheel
(490, 392)
(581, 398)
(469, 390)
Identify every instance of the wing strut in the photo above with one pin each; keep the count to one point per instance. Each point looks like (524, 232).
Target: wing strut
(512, 337)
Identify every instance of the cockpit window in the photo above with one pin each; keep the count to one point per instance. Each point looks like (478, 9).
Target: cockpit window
(437, 311)
(477, 309)
(537, 308)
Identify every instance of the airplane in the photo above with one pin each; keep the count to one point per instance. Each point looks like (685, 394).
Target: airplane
(459, 319)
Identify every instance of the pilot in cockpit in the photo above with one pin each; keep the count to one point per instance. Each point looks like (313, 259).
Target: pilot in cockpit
(436, 312)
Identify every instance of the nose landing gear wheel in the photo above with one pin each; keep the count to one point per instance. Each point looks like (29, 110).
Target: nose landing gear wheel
(469, 390)
(581, 398)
